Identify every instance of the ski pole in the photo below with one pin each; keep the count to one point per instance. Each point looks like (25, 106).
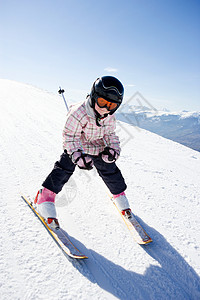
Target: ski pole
(61, 92)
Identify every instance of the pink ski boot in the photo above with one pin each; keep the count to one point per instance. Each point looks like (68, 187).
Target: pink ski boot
(45, 202)
(122, 204)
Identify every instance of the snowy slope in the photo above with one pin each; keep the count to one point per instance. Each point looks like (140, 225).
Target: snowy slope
(163, 189)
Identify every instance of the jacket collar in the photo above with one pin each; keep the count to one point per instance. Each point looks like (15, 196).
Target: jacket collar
(89, 110)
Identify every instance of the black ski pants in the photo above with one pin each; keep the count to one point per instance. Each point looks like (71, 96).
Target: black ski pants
(64, 168)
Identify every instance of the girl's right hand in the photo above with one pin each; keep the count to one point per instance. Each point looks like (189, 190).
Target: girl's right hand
(82, 160)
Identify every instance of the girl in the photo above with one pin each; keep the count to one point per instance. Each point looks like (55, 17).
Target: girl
(89, 140)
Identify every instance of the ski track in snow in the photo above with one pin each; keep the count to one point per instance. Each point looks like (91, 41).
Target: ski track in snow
(163, 189)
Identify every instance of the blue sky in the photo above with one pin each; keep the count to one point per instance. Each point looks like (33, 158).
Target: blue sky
(152, 46)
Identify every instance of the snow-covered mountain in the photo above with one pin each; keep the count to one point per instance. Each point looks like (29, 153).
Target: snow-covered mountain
(182, 127)
(163, 190)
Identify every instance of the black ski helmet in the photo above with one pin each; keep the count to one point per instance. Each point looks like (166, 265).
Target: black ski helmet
(109, 88)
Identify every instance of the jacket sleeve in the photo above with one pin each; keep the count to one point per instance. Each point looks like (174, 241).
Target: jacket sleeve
(72, 133)
(110, 137)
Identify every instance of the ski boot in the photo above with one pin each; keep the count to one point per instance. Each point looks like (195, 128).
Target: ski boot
(122, 204)
(45, 203)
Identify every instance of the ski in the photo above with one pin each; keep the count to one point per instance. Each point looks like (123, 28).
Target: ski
(138, 233)
(58, 235)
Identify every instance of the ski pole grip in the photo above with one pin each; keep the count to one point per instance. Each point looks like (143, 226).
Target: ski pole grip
(61, 91)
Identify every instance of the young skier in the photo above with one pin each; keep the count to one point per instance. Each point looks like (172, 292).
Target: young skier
(89, 140)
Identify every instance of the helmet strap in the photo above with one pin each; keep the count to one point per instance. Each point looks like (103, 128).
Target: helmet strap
(99, 117)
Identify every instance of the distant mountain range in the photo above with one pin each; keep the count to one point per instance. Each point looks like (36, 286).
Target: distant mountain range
(182, 127)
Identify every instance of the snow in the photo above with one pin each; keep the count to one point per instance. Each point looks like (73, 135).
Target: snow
(163, 189)
(182, 127)
(151, 112)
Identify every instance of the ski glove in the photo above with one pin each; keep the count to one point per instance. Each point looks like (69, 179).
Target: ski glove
(109, 155)
(83, 161)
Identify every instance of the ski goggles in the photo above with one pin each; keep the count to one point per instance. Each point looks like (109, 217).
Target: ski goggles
(101, 102)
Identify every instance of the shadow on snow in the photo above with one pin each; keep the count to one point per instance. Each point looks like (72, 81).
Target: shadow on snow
(173, 279)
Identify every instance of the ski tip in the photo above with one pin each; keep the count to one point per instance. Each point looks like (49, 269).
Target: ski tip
(75, 256)
(81, 257)
(146, 242)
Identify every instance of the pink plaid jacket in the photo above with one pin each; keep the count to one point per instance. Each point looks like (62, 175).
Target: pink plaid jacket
(81, 131)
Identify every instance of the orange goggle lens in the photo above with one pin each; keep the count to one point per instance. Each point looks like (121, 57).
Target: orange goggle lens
(104, 103)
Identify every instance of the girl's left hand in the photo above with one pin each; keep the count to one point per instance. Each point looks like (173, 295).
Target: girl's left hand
(109, 155)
